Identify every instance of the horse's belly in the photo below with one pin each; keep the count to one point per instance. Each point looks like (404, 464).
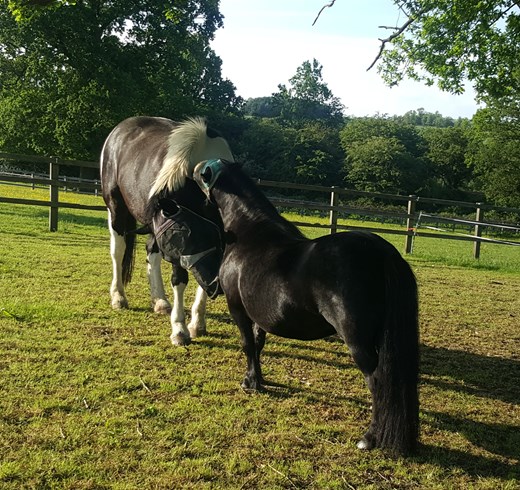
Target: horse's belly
(302, 326)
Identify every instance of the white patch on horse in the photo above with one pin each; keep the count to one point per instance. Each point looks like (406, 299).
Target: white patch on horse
(117, 251)
(180, 334)
(160, 303)
(188, 145)
(197, 325)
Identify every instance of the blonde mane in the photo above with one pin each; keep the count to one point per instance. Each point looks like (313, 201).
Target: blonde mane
(188, 145)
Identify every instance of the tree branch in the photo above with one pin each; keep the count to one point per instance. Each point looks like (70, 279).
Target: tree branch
(330, 4)
(398, 32)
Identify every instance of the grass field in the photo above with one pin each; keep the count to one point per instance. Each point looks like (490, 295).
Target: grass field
(92, 398)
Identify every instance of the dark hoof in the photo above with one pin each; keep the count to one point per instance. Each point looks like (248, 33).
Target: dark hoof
(251, 387)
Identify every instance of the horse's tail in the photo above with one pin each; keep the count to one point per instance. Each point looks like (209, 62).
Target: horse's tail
(190, 142)
(128, 257)
(395, 391)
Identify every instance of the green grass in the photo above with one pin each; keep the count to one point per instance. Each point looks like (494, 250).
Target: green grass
(92, 398)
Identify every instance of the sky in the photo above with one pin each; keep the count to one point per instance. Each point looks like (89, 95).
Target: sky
(263, 42)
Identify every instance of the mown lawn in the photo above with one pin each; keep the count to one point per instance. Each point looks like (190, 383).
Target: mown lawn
(91, 398)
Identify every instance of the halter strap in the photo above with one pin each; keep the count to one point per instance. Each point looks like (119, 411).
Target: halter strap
(188, 261)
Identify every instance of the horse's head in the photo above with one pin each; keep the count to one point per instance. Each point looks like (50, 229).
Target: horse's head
(207, 172)
(195, 241)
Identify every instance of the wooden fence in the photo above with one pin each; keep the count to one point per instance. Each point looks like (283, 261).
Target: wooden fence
(409, 215)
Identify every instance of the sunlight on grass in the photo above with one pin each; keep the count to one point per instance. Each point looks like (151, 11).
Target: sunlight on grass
(93, 398)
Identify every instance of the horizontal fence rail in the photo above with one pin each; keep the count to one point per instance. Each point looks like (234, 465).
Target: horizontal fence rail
(413, 220)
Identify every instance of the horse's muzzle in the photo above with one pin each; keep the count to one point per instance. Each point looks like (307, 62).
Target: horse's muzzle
(193, 241)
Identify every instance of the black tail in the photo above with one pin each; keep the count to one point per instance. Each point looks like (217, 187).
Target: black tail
(395, 396)
(128, 257)
(126, 225)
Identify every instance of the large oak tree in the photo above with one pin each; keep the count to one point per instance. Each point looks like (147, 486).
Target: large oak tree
(70, 71)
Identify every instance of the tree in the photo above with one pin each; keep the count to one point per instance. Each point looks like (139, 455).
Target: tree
(384, 156)
(71, 71)
(308, 97)
(446, 152)
(310, 154)
(495, 151)
(451, 41)
(317, 154)
(261, 107)
(420, 117)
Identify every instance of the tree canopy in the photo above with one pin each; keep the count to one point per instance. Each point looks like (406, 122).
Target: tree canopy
(451, 41)
(308, 97)
(494, 151)
(71, 71)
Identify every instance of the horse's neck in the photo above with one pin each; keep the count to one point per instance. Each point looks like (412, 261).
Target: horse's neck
(254, 215)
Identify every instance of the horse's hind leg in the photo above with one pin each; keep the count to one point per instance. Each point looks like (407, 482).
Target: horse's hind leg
(250, 342)
(259, 342)
(366, 359)
(158, 295)
(117, 252)
(197, 325)
(359, 339)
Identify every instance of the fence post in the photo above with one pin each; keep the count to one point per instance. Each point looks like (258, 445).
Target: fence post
(54, 189)
(478, 231)
(408, 244)
(333, 216)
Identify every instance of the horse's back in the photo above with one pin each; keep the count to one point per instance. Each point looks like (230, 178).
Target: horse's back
(354, 269)
(138, 137)
(131, 157)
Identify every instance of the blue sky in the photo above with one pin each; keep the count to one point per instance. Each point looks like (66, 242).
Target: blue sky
(264, 41)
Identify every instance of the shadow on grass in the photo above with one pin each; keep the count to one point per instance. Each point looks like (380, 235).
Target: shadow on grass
(493, 378)
(471, 464)
(490, 377)
(43, 213)
(500, 439)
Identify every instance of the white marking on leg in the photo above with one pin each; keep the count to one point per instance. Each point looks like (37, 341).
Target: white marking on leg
(180, 334)
(117, 252)
(197, 325)
(160, 303)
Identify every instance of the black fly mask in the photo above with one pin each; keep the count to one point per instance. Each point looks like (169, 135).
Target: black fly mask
(195, 241)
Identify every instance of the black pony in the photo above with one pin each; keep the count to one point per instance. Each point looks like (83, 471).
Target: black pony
(143, 160)
(354, 284)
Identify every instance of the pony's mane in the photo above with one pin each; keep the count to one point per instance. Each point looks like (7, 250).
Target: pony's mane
(262, 212)
(177, 163)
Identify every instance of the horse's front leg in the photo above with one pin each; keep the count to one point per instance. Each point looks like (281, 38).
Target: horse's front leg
(158, 295)
(253, 378)
(259, 341)
(180, 334)
(197, 325)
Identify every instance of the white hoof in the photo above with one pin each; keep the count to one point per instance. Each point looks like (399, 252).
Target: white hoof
(363, 445)
(162, 307)
(119, 302)
(180, 335)
(180, 339)
(197, 329)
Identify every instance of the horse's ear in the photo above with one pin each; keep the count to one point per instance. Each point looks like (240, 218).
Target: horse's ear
(168, 207)
(206, 175)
